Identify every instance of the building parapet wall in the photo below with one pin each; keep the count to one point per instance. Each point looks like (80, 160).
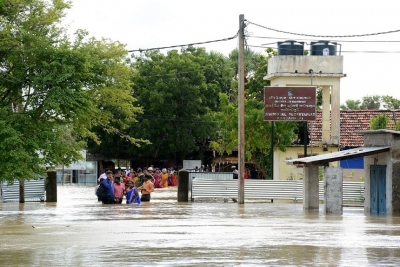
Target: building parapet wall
(324, 66)
(373, 138)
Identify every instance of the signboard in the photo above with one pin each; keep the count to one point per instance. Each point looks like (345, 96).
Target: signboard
(289, 103)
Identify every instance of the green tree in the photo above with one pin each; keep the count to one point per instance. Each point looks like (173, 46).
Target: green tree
(390, 102)
(178, 91)
(226, 136)
(351, 105)
(257, 131)
(251, 62)
(53, 91)
(397, 126)
(319, 98)
(255, 72)
(379, 122)
(371, 102)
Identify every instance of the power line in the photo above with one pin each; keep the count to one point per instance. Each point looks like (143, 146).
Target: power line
(174, 46)
(168, 118)
(324, 36)
(341, 51)
(14, 81)
(4, 73)
(262, 46)
(371, 52)
(316, 40)
(179, 72)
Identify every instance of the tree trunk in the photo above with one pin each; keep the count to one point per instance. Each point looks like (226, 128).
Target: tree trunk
(259, 168)
(22, 190)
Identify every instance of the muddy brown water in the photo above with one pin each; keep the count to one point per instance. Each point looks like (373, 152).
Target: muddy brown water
(80, 231)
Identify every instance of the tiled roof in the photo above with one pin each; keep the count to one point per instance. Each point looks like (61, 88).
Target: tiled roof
(351, 121)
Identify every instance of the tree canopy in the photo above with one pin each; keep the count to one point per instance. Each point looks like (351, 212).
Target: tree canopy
(372, 102)
(54, 91)
(257, 131)
(351, 105)
(189, 99)
(379, 122)
(177, 91)
(390, 102)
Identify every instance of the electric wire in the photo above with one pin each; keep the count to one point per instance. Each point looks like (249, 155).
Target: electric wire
(324, 36)
(174, 46)
(245, 33)
(316, 40)
(261, 46)
(371, 52)
(342, 51)
(11, 81)
(9, 76)
(179, 72)
(168, 118)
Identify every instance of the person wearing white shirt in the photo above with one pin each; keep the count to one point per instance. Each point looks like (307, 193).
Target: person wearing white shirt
(103, 175)
(235, 172)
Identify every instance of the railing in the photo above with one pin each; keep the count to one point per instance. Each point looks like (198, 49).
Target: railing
(34, 191)
(215, 176)
(353, 191)
(268, 189)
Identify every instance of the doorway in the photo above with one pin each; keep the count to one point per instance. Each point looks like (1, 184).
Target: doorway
(378, 189)
(75, 175)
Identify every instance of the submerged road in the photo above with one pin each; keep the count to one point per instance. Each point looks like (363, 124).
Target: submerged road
(80, 231)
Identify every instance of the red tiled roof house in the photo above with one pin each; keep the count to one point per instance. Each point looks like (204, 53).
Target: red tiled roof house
(351, 121)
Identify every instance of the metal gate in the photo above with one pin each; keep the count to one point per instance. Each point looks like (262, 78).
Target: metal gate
(378, 188)
(353, 192)
(34, 191)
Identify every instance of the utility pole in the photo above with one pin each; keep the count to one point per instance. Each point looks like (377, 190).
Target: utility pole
(305, 130)
(241, 159)
(272, 149)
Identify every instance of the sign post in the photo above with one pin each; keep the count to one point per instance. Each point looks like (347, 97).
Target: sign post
(289, 103)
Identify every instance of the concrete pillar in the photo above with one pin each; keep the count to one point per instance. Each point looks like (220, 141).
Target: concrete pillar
(394, 179)
(333, 190)
(311, 187)
(183, 186)
(335, 112)
(51, 186)
(326, 113)
(368, 161)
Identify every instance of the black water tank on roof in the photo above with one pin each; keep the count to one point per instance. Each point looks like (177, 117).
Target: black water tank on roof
(323, 48)
(290, 48)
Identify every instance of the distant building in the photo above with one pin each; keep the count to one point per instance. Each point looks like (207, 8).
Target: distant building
(351, 121)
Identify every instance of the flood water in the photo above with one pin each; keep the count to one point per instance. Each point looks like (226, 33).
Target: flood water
(79, 231)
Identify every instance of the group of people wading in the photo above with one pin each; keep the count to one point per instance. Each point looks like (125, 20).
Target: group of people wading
(134, 186)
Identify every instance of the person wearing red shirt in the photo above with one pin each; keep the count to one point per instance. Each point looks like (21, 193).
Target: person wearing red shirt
(247, 174)
(119, 190)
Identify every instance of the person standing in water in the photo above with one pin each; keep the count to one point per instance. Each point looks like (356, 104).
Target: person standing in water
(146, 189)
(164, 178)
(132, 195)
(109, 185)
(119, 190)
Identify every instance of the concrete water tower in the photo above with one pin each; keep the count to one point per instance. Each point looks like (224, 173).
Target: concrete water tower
(322, 68)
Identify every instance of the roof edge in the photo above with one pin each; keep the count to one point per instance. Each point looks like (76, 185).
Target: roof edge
(380, 131)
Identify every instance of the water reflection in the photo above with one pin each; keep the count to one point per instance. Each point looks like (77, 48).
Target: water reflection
(79, 231)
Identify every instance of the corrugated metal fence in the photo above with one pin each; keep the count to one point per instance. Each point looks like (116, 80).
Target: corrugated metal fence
(34, 191)
(267, 189)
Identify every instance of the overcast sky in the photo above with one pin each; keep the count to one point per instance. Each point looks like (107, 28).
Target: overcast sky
(158, 23)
